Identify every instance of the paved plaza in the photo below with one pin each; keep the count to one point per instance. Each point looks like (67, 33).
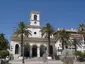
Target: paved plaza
(41, 62)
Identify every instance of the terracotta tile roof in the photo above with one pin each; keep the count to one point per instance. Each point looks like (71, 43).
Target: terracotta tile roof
(76, 35)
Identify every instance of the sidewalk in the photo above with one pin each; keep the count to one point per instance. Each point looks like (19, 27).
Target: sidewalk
(41, 62)
(35, 62)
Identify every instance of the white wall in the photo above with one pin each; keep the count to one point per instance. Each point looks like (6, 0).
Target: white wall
(32, 16)
(82, 47)
(32, 19)
(12, 46)
(58, 45)
(37, 24)
(38, 34)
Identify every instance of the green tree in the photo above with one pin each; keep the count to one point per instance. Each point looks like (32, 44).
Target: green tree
(47, 31)
(23, 32)
(78, 53)
(76, 42)
(63, 37)
(3, 42)
(3, 46)
(4, 53)
(81, 29)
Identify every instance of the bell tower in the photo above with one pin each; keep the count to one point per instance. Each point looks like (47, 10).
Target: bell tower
(35, 18)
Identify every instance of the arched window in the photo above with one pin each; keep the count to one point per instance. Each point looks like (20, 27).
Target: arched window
(35, 17)
(16, 49)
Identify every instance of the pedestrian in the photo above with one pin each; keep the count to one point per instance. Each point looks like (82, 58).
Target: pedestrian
(45, 57)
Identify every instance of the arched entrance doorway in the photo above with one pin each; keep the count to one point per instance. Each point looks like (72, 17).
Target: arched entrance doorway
(26, 50)
(34, 51)
(42, 49)
(51, 50)
(16, 49)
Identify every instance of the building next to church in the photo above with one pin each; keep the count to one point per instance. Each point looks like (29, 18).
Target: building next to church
(35, 44)
(73, 35)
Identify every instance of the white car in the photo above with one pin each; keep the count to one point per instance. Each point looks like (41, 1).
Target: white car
(7, 58)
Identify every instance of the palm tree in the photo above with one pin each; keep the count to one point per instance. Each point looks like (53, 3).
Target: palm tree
(3, 46)
(81, 29)
(76, 42)
(63, 37)
(22, 31)
(47, 31)
(3, 42)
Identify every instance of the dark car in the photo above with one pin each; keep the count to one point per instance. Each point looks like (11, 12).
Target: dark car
(81, 58)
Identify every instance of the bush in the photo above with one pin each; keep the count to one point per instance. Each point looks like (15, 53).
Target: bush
(4, 53)
(83, 53)
(77, 53)
(80, 55)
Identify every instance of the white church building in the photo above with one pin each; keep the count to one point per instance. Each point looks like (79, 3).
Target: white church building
(34, 43)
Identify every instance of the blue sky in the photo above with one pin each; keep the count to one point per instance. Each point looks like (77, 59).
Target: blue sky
(60, 13)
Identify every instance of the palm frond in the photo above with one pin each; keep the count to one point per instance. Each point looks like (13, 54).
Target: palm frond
(22, 29)
(62, 36)
(17, 32)
(47, 30)
(77, 42)
(27, 33)
(81, 28)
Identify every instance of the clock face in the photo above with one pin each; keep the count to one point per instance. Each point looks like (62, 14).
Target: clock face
(35, 22)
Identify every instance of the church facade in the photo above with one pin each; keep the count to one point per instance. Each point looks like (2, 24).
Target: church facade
(34, 44)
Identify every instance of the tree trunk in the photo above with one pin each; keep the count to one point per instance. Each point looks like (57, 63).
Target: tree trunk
(21, 44)
(22, 47)
(66, 45)
(48, 45)
(75, 47)
(62, 44)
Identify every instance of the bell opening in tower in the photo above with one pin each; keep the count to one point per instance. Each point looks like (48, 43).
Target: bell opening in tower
(35, 17)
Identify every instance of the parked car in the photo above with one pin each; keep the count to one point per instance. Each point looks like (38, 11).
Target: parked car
(81, 58)
(7, 59)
